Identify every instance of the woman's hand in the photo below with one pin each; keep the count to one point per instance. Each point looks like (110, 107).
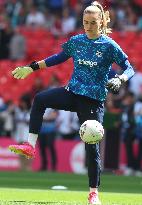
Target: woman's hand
(22, 72)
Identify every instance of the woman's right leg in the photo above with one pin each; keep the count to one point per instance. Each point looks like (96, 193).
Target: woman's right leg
(57, 98)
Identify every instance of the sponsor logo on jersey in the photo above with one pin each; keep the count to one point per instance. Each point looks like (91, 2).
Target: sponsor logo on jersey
(89, 63)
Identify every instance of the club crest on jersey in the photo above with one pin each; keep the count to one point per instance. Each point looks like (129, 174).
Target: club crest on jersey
(89, 63)
(99, 54)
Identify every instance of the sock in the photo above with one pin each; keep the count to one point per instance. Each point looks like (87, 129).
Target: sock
(32, 139)
(94, 190)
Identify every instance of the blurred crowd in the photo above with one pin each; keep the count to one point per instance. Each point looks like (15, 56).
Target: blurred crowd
(63, 16)
(60, 17)
(123, 114)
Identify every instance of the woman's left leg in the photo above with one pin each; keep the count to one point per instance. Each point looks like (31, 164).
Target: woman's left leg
(89, 109)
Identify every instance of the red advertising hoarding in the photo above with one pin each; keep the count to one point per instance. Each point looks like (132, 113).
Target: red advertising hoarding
(70, 156)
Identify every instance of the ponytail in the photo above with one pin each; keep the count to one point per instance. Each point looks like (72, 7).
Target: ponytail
(104, 16)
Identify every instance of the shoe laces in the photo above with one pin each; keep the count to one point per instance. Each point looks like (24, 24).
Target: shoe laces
(93, 198)
(92, 195)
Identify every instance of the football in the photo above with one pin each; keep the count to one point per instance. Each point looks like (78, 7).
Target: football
(91, 131)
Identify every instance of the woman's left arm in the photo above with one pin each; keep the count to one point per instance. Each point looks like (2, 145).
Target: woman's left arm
(120, 58)
(115, 83)
(128, 70)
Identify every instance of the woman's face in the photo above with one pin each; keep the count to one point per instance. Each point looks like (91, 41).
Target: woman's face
(92, 24)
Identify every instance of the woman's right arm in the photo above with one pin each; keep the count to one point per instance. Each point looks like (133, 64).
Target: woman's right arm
(23, 71)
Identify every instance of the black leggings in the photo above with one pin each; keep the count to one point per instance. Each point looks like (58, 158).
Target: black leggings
(86, 108)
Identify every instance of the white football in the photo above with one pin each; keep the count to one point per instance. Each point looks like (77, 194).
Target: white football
(91, 131)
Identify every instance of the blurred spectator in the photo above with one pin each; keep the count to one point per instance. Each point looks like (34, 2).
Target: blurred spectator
(8, 119)
(19, 19)
(68, 22)
(78, 15)
(42, 4)
(36, 87)
(48, 132)
(13, 7)
(17, 45)
(113, 24)
(56, 28)
(139, 23)
(22, 116)
(2, 108)
(131, 19)
(67, 125)
(121, 19)
(128, 131)
(5, 37)
(112, 133)
(138, 121)
(56, 6)
(136, 84)
(35, 18)
(2, 104)
(49, 18)
(54, 81)
(47, 138)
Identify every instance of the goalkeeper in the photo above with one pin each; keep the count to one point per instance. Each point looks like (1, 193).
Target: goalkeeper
(93, 54)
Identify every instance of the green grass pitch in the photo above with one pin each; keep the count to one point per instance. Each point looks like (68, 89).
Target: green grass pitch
(28, 188)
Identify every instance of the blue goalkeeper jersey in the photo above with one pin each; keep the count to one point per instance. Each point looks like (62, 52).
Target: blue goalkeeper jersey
(92, 59)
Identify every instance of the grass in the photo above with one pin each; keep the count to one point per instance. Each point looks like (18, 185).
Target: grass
(27, 188)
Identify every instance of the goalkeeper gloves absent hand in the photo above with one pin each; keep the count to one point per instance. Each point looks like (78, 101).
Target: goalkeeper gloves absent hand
(23, 71)
(115, 83)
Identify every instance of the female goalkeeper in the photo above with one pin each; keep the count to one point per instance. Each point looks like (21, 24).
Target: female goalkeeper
(93, 54)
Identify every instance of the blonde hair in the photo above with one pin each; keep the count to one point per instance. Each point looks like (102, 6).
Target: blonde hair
(104, 15)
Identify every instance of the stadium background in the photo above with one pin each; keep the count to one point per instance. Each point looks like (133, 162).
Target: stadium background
(34, 29)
